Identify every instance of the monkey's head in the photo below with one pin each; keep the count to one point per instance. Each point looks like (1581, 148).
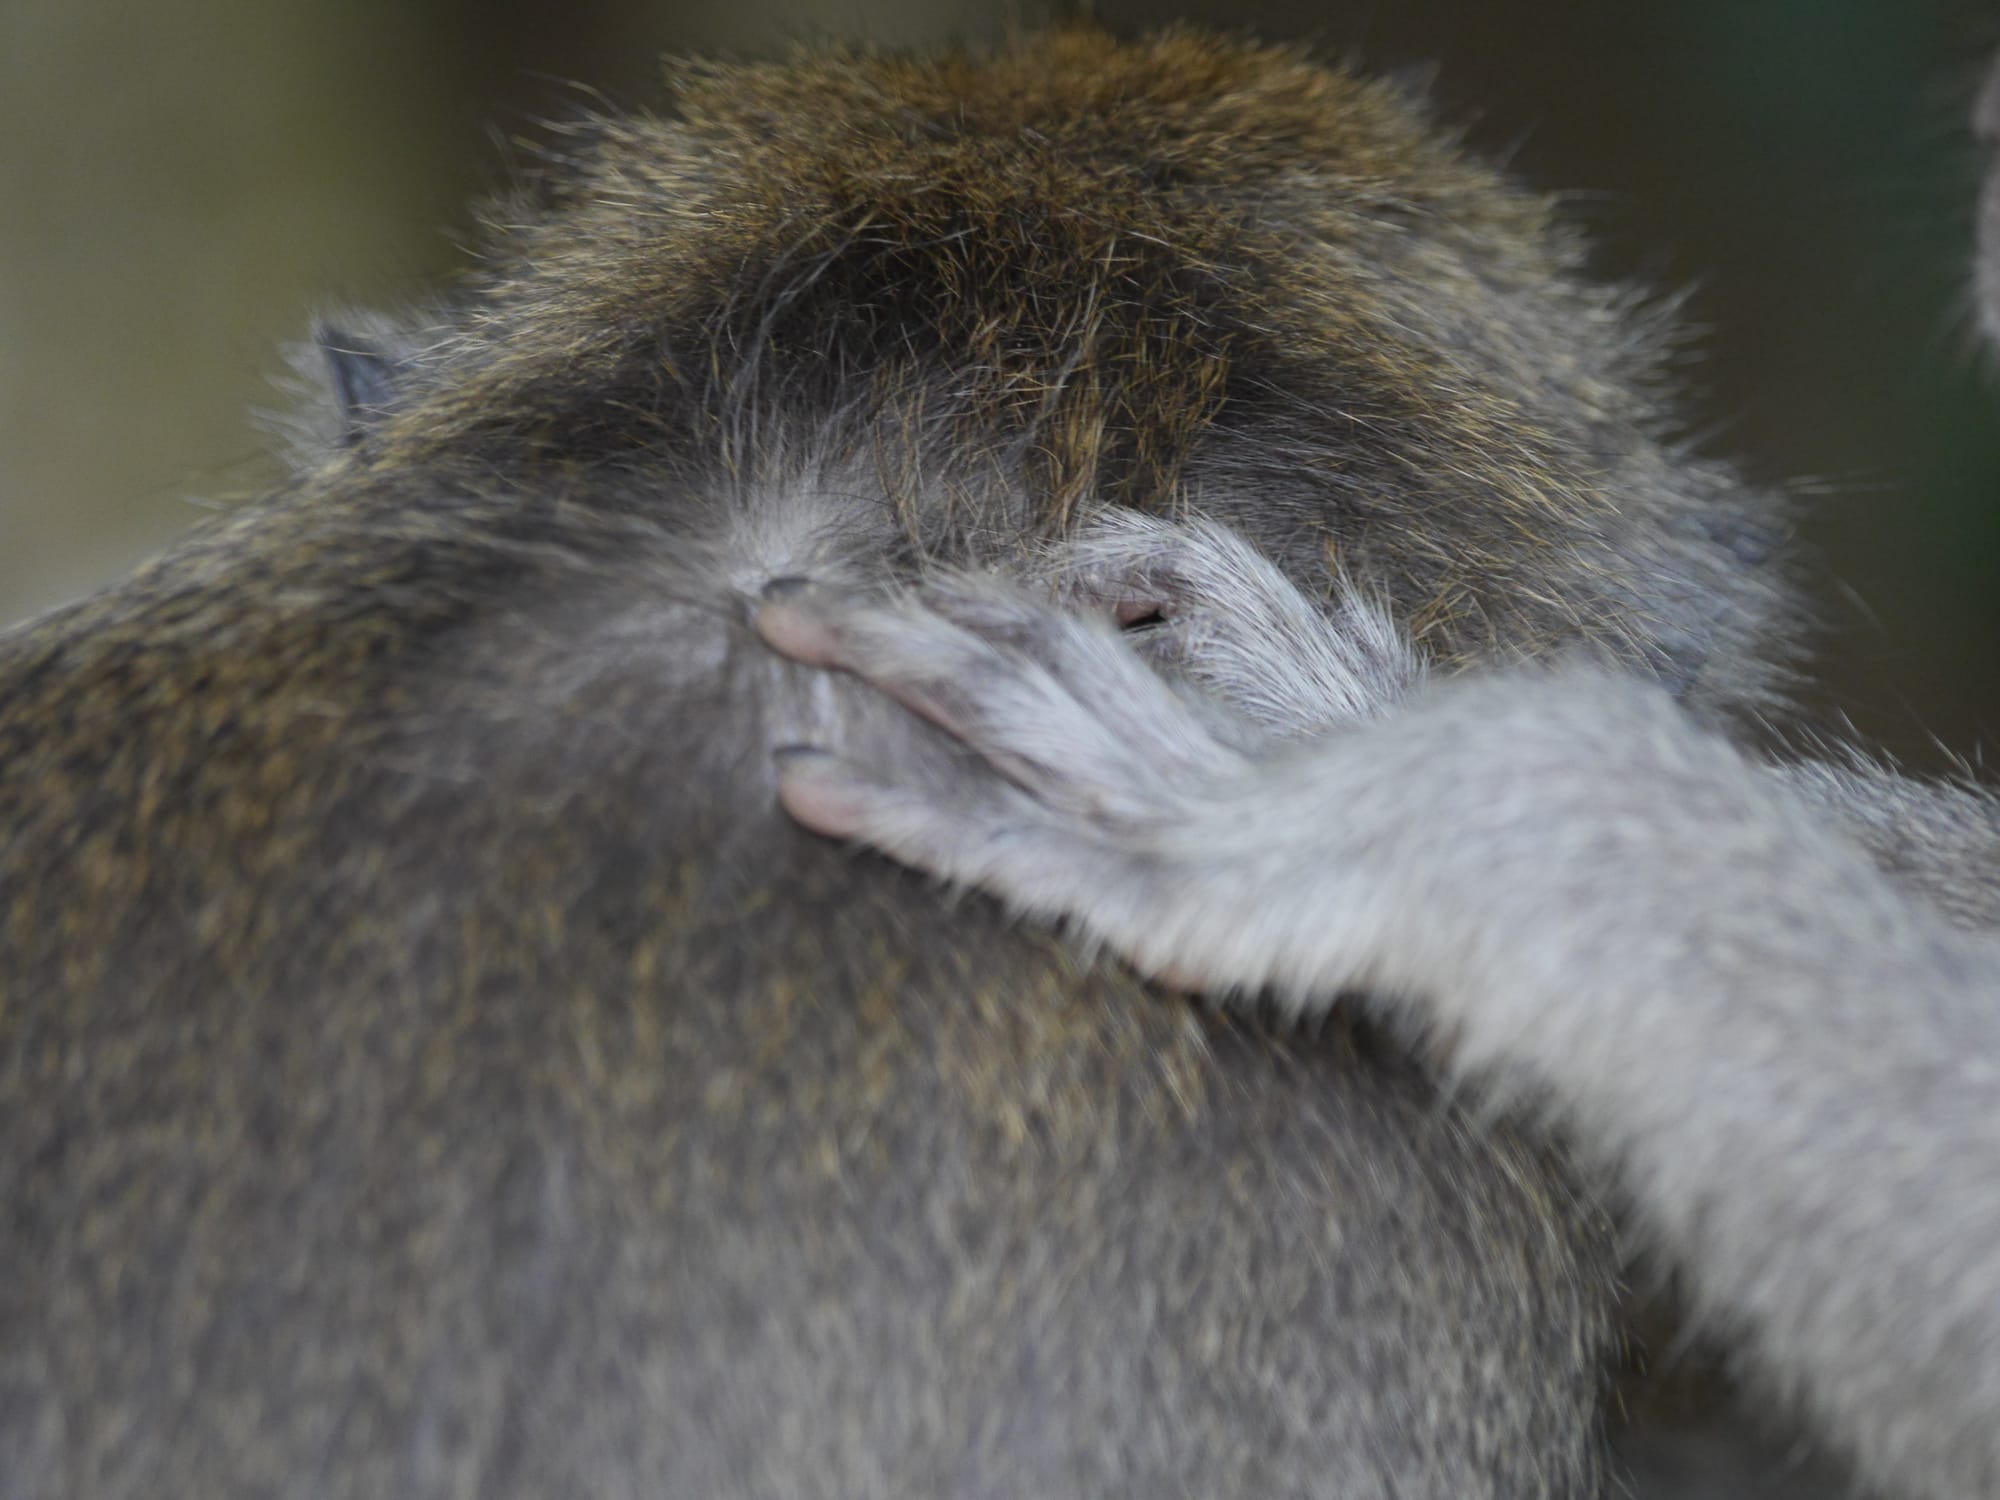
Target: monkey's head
(434, 1062)
(968, 299)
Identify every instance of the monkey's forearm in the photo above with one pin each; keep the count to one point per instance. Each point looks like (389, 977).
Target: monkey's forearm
(1789, 1063)
(1791, 1068)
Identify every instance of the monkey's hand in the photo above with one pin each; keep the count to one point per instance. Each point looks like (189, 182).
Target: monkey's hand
(1098, 787)
(1477, 855)
(1397, 851)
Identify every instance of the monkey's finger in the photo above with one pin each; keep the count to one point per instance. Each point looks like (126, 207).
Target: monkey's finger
(986, 621)
(948, 676)
(956, 832)
(1188, 739)
(997, 840)
(1078, 720)
(821, 793)
(1092, 660)
(931, 666)
(789, 626)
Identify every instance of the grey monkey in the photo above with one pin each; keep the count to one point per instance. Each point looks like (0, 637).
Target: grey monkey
(430, 1062)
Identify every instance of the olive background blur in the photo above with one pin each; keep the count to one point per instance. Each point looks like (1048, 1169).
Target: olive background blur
(184, 184)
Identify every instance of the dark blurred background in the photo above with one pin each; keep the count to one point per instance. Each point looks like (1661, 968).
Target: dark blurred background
(183, 185)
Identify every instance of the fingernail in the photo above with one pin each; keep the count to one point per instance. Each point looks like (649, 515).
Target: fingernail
(790, 757)
(790, 586)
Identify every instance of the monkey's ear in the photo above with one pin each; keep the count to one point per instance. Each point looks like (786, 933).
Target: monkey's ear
(344, 379)
(362, 372)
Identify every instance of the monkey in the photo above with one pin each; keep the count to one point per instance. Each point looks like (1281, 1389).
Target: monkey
(432, 1062)
(1756, 994)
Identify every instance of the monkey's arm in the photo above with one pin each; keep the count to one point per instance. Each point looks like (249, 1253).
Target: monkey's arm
(1788, 1062)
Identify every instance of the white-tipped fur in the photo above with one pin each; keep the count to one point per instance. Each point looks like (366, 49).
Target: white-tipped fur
(1239, 629)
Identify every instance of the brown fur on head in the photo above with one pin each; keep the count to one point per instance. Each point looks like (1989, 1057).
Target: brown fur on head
(1080, 274)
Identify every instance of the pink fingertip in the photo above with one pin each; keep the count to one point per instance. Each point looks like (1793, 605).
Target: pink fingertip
(794, 630)
(820, 798)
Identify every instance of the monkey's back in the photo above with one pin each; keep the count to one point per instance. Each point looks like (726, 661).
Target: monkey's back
(511, 1103)
(429, 1063)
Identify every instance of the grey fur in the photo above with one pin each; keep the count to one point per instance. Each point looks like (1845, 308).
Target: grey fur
(608, 1136)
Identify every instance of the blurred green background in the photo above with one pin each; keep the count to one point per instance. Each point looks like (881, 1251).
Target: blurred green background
(183, 185)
